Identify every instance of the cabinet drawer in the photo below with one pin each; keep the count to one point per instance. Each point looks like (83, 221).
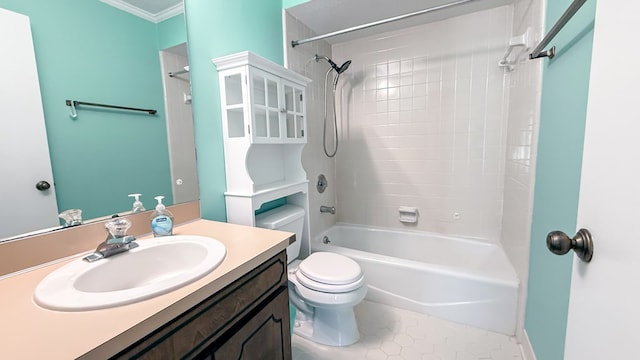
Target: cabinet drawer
(195, 330)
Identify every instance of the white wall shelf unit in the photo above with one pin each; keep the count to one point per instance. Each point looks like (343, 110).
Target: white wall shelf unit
(264, 131)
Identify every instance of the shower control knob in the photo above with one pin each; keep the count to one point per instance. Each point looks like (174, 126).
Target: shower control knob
(560, 243)
(322, 183)
(43, 185)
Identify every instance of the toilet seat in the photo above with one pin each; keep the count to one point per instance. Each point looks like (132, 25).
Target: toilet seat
(325, 299)
(329, 272)
(327, 288)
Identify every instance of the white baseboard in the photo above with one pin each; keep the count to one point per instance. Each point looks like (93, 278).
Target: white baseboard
(525, 346)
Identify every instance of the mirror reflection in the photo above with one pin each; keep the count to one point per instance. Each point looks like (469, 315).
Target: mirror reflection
(92, 52)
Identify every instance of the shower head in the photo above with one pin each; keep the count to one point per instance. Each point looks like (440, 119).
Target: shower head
(338, 69)
(344, 67)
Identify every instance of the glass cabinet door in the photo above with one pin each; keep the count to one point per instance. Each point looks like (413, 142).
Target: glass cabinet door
(294, 111)
(234, 105)
(266, 110)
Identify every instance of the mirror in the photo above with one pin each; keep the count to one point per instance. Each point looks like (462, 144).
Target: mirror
(92, 52)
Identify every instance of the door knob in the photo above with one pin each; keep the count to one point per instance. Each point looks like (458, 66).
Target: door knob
(560, 243)
(43, 185)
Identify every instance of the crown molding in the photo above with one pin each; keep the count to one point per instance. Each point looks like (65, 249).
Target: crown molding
(154, 18)
(168, 13)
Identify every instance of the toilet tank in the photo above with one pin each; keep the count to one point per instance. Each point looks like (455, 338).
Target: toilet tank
(285, 218)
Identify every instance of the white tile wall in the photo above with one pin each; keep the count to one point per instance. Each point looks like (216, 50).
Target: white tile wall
(525, 84)
(423, 120)
(314, 161)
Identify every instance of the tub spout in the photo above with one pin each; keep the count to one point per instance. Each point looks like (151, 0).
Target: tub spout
(328, 209)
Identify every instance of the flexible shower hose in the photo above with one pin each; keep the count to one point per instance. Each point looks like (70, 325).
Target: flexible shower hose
(335, 118)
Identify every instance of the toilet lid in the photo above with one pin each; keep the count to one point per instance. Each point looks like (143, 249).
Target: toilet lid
(330, 268)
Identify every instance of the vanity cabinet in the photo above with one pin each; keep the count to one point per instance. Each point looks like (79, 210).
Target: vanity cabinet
(263, 113)
(248, 319)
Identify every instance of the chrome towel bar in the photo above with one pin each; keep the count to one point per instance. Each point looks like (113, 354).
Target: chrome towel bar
(74, 103)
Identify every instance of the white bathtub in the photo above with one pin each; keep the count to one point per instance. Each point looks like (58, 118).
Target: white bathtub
(468, 281)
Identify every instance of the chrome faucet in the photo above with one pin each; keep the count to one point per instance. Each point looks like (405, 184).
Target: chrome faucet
(328, 209)
(117, 240)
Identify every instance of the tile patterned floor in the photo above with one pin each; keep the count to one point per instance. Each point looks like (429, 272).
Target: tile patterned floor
(388, 333)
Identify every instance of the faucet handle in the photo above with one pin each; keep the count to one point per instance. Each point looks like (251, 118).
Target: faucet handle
(118, 227)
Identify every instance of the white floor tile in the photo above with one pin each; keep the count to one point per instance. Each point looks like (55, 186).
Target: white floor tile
(388, 333)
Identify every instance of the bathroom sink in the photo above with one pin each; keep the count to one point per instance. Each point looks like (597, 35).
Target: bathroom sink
(157, 266)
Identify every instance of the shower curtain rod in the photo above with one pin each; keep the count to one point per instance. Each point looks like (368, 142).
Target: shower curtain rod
(564, 19)
(295, 43)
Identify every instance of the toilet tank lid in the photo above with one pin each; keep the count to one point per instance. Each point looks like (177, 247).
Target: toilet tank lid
(279, 217)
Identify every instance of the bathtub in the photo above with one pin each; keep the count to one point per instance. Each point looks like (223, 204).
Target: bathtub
(465, 280)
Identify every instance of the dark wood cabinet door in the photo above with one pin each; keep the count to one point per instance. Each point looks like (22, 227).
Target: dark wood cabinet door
(263, 335)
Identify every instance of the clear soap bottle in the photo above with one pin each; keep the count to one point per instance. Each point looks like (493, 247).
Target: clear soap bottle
(161, 219)
(137, 204)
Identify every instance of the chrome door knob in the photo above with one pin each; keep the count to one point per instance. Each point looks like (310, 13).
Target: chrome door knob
(560, 243)
(43, 185)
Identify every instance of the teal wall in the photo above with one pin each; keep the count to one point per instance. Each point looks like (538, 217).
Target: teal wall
(557, 184)
(216, 28)
(172, 32)
(89, 51)
(290, 3)
(271, 205)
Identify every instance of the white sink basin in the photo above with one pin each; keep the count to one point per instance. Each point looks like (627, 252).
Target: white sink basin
(156, 267)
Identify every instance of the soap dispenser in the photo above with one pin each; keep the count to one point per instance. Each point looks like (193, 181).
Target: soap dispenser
(161, 219)
(137, 204)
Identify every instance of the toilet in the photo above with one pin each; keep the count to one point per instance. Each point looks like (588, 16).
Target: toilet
(323, 288)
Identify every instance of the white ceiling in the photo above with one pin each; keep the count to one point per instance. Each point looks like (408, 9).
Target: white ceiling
(325, 16)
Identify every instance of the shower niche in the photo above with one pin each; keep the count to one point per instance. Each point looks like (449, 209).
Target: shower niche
(264, 132)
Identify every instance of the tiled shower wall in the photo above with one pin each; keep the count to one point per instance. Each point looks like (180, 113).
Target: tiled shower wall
(522, 136)
(299, 59)
(423, 121)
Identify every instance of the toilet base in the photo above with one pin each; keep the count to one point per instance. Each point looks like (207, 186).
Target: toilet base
(333, 327)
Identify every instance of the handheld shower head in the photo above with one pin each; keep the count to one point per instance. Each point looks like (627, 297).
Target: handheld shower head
(338, 69)
(344, 67)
